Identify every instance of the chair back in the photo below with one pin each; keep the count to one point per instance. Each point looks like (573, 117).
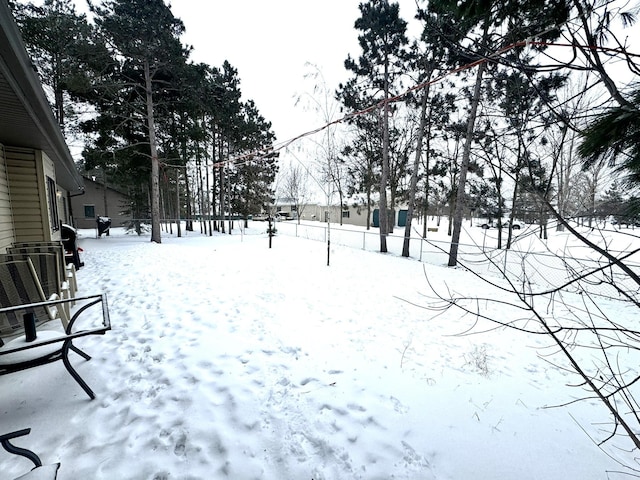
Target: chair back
(46, 266)
(19, 285)
(55, 248)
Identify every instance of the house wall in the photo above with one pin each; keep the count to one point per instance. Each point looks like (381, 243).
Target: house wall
(7, 233)
(32, 189)
(87, 207)
(353, 216)
(350, 215)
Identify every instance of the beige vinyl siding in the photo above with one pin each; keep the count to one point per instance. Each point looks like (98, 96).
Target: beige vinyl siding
(28, 194)
(6, 218)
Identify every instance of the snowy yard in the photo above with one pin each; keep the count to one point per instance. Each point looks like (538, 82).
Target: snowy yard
(228, 359)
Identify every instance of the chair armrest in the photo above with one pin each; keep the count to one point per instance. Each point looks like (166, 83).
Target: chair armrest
(16, 434)
(91, 301)
(63, 311)
(68, 334)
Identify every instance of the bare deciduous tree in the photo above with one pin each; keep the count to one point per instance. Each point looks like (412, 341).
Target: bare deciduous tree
(556, 296)
(295, 187)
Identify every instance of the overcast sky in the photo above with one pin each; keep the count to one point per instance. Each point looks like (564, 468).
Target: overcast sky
(270, 42)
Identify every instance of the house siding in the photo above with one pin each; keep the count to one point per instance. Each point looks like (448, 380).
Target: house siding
(7, 233)
(27, 170)
(350, 215)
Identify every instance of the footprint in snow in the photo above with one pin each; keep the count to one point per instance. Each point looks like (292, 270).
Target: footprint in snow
(181, 446)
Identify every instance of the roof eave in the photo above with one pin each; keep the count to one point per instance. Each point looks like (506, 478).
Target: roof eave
(18, 72)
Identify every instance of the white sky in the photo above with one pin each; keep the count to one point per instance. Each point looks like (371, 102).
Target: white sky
(270, 42)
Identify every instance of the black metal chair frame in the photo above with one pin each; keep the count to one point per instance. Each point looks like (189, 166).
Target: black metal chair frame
(65, 339)
(23, 452)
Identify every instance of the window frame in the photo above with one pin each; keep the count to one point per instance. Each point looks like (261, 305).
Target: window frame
(92, 206)
(52, 194)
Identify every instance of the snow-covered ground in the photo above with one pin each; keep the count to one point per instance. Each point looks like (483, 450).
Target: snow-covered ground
(229, 359)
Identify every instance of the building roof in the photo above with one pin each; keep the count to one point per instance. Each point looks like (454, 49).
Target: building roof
(26, 118)
(97, 183)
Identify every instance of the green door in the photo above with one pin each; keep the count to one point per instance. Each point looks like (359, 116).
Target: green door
(391, 215)
(402, 218)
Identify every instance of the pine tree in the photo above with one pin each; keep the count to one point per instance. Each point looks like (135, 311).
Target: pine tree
(255, 173)
(382, 40)
(66, 51)
(434, 108)
(615, 135)
(472, 31)
(144, 36)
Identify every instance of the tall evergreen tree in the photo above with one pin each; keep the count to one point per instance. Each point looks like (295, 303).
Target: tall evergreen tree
(66, 51)
(473, 31)
(433, 109)
(521, 101)
(254, 174)
(186, 133)
(144, 36)
(615, 137)
(224, 115)
(363, 165)
(382, 40)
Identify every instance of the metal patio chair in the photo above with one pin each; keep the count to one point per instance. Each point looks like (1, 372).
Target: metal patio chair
(29, 334)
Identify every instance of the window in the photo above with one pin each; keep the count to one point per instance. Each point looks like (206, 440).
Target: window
(89, 211)
(53, 204)
(345, 214)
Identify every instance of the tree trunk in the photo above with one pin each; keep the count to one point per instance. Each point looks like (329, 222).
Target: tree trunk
(178, 220)
(466, 155)
(368, 208)
(223, 180)
(384, 178)
(207, 198)
(229, 196)
(155, 164)
(58, 94)
(187, 190)
(214, 184)
(426, 181)
(414, 174)
(200, 200)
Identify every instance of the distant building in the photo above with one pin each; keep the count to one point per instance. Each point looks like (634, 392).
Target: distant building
(99, 201)
(348, 214)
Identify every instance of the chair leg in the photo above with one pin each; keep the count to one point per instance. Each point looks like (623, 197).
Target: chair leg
(65, 359)
(83, 354)
(23, 452)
